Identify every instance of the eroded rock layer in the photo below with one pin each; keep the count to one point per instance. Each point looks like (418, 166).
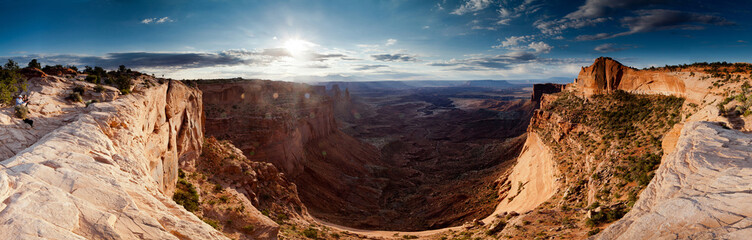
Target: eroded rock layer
(108, 173)
(700, 191)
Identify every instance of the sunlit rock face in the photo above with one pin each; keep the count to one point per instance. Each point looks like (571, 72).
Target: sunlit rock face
(700, 191)
(607, 75)
(108, 172)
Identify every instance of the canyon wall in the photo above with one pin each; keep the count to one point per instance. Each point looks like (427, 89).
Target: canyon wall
(107, 172)
(292, 126)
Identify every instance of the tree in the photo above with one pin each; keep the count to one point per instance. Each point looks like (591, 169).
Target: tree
(11, 65)
(34, 64)
(121, 69)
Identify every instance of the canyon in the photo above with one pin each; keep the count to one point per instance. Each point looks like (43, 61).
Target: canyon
(610, 156)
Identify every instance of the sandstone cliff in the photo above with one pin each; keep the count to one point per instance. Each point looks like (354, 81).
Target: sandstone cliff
(293, 127)
(700, 191)
(104, 171)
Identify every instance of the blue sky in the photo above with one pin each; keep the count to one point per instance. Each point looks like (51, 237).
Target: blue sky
(373, 40)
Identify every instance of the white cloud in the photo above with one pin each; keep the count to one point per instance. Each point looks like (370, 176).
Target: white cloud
(156, 20)
(390, 42)
(540, 47)
(513, 41)
(426, 27)
(472, 6)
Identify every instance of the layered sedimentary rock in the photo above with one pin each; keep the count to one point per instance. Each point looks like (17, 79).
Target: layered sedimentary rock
(607, 75)
(545, 88)
(700, 191)
(107, 172)
(293, 127)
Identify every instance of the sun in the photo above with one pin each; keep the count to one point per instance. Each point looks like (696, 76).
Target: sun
(297, 46)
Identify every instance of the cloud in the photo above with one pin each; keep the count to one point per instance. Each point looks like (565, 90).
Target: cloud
(324, 57)
(609, 47)
(276, 52)
(369, 67)
(426, 27)
(558, 26)
(472, 6)
(156, 20)
(513, 41)
(540, 47)
(172, 60)
(741, 41)
(398, 57)
(601, 8)
(390, 42)
(661, 19)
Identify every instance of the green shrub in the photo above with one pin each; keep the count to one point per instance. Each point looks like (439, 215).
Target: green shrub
(99, 88)
(248, 228)
(593, 232)
(21, 111)
(409, 237)
(92, 79)
(123, 83)
(212, 223)
(311, 233)
(185, 193)
(79, 89)
(75, 97)
(11, 82)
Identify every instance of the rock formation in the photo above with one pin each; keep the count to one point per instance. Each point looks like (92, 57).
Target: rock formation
(106, 173)
(607, 75)
(545, 88)
(700, 191)
(287, 124)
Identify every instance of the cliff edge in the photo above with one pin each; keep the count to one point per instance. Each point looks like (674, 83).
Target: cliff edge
(108, 170)
(700, 191)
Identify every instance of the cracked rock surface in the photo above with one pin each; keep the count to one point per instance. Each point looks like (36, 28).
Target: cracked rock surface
(703, 190)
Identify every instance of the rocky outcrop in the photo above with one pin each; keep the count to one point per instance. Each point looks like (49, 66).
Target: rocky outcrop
(700, 191)
(107, 172)
(607, 75)
(545, 88)
(533, 179)
(30, 72)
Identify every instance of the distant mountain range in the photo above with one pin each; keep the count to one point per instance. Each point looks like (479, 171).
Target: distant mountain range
(399, 85)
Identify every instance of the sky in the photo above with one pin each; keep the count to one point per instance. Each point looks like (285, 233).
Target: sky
(358, 40)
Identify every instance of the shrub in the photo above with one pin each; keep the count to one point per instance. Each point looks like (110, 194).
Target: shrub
(21, 111)
(92, 79)
(79, 89)
(185, 194)
(34, 64)
(311, 233)
(123, 83)
(99, 88)
(409, 237)
(212, 223)
(593, 232)
(10, 83)
(248, 228)
(75, 97)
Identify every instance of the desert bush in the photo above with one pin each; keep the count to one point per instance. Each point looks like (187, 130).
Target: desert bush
(21, 111)
(123, 83)
(99, 88)
(75, 97)
(11, 82)
(79, 89)
(248, 228)
(212, 223)
(92, 79)
(185, 193)
(34, 64)
(311, 233)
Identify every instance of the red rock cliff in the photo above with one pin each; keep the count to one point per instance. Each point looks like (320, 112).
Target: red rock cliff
(607, 75)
